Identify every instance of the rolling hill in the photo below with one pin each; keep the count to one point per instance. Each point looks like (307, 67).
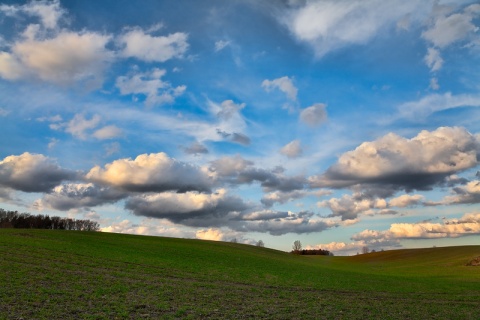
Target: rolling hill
(54, 274)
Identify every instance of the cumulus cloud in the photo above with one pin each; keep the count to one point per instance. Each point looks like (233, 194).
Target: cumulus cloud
(293, 149)
(230, 166)
(216, 234)
(348, 207)
(351, 248)
(399, 163)
(265, 215)
(78, 195)
(468, 194)
(189, 208)
(468, 224)
(57, 55)
(236, 170)
(298, 223)
(219, 209)
(141, 45)
(152, 227)
(210, 234)
(329, 25)
(271, 181)
(406, 200)
(151, 172)
(314, 115)
(63, 59)
(151, 85)
(32, 173)
(284, 84)
(269, 199)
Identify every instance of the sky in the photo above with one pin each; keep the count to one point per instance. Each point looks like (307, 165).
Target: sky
(342, 124)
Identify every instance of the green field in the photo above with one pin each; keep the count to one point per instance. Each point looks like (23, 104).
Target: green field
(50, 274)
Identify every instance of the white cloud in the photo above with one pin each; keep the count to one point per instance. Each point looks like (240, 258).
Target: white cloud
(210, 234)
(278, 223)
(151, 85)
(151, 227)
(416, 163)
(230, 166)
(284, 84)
(415, 110)
(49, 12)
(141, 45)
(79, 125)
(10, 67)
(166, 203)
(53, 142)
(82, 128)
(314, 115)
(433, 59)
(468, 224)
(434, 84)
(151, 172)
(78, 195)
(231, 124)
(293, 149)
(221, 44)
(339, 248)
(405, 200)
(348, 207)
(446, 30)
(108, 132)
(329, 25)
(229, 109)
(469, 194)
(282, 197)
(236, 170)
(190, 208)
(64, 59)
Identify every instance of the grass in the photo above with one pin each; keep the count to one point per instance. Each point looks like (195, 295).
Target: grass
(49, 274)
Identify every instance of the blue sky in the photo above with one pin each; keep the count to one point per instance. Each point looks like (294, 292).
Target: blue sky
(341, 124)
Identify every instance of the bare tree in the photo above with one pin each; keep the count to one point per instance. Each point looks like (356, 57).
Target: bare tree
(365, 250)
(260, 244)
(297, 246)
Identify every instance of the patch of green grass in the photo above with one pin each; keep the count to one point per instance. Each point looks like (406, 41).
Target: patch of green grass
(53, 274)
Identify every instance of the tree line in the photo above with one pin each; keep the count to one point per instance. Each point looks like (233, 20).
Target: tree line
(313, 252)
(297, 249)
(14, 219)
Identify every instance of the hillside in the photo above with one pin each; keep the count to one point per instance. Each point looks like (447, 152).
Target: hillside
(53, 274)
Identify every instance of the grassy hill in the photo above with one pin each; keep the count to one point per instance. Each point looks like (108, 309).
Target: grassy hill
(49, 274)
